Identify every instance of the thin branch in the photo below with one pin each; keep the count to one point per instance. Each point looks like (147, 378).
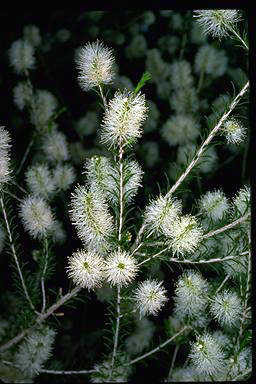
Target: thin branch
(116, 332)
(152, 257)
(43, 275)
(159, 347)
(208, 140)
(103, 97)
(216, 260)
(228, 226)
(173, 361)
(16, 258)
(41, 318)
(52, 372)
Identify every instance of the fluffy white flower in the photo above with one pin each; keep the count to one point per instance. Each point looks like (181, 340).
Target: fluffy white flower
(190, 294)
(5, 146)
(184, 101)
(21, 56)
(181, 76)
(22, 95)
(90, 215)
(55, 146)
(45, 106)
(179, 129)
(227, 308)
(88, 124)
(40, 181)
(31, 34)
(123, 119)
(217, 22)
(184, 234)
(35, 350)
(86, 269)
(150, 297)
(63, 176)
(137, 47)
(36, 216)
(242, 200)
(211, 61)
(207, 355)
(234, 131)
(156, 66)
(120, 268)
(214, 205)
(95, 65)
(161, 213)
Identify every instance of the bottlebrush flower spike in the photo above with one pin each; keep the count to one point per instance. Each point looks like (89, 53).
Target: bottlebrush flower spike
(95, 65)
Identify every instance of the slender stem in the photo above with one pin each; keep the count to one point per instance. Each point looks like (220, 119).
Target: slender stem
(216, 260)
(239, 38)
(121, 203)
(159, 347)
(228, 226)
(52, 372)
(103, 97)
(243, 374)
(116, 332)
(208, 140)
(222, 284)
(41, 317)
(152, 257)
(247, 292)
(14, 196)
(24, 157)
(16, 258)
(43, 274)
(173, 361)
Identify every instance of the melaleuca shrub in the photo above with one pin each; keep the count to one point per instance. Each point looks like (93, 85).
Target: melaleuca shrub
(112, 199)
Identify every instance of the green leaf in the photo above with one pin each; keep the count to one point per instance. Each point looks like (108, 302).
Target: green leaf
(145, 77)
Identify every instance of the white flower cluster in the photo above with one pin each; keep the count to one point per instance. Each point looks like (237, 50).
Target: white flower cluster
(45, 107)
(90, 215)
(227, 308)
(39, 181)
(191, 297)
(105, 174)
(22, 95)
(35, 350)
(86, 269)
(217, 22)
(55, 146)
(234, 131)
(95, 65)
(5, 146)
(180, 129)
(21, 56)
(161, 213)
(150, 297)
(214, 205)
(242, 201)
(36, 216)
(207, 355)
(123, 118)
(211, 61)
(120, 268)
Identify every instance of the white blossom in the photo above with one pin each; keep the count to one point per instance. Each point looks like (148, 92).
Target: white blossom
(95, 65)
(123, 118)
(120, 268)
(36, 216)
(21, 56)
(86, 269)
(149, 297)
(217, 22)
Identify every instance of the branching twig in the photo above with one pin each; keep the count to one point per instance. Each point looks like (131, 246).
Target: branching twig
(159, 347)
(16, 258)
